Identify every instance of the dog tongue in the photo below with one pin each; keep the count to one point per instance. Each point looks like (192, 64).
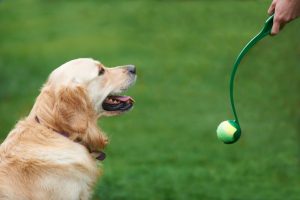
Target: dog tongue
(123, 98)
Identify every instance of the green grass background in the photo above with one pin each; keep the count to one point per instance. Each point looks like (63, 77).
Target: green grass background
(166, 148)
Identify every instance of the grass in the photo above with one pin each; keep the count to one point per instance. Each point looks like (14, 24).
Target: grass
(166, 148)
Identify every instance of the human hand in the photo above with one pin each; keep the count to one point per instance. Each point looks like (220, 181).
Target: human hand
(285, 11)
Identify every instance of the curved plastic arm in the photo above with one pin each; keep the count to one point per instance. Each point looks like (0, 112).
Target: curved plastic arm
(264, 32)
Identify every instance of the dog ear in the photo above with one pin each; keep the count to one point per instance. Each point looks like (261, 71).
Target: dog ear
(72, 109)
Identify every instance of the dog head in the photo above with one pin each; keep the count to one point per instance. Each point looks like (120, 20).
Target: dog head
(103, 85)
(79, 92)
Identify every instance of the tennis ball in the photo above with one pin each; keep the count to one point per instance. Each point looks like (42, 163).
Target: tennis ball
(228, 131)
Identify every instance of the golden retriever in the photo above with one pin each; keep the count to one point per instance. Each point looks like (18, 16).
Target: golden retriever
(53, 153)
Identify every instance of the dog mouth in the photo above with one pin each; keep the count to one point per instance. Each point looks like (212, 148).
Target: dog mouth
(117, 103)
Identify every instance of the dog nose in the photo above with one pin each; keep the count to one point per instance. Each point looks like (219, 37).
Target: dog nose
(131, 69)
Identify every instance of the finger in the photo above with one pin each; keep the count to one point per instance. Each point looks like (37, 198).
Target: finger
(271, 8)
(275, 28)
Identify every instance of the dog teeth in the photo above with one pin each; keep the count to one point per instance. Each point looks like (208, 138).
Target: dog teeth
(115, 101)
(112, 101)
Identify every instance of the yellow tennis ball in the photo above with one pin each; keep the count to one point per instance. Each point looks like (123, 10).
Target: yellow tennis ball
(228, 131)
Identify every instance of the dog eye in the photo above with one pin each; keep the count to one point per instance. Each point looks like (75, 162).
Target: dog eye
(101, 71)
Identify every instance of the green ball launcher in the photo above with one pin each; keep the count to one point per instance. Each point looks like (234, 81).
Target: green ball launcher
(230, 131)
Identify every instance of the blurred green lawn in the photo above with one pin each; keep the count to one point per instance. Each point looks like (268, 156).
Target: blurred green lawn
(166, 148)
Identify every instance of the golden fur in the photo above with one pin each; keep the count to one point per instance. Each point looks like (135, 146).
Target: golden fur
(36, 162)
